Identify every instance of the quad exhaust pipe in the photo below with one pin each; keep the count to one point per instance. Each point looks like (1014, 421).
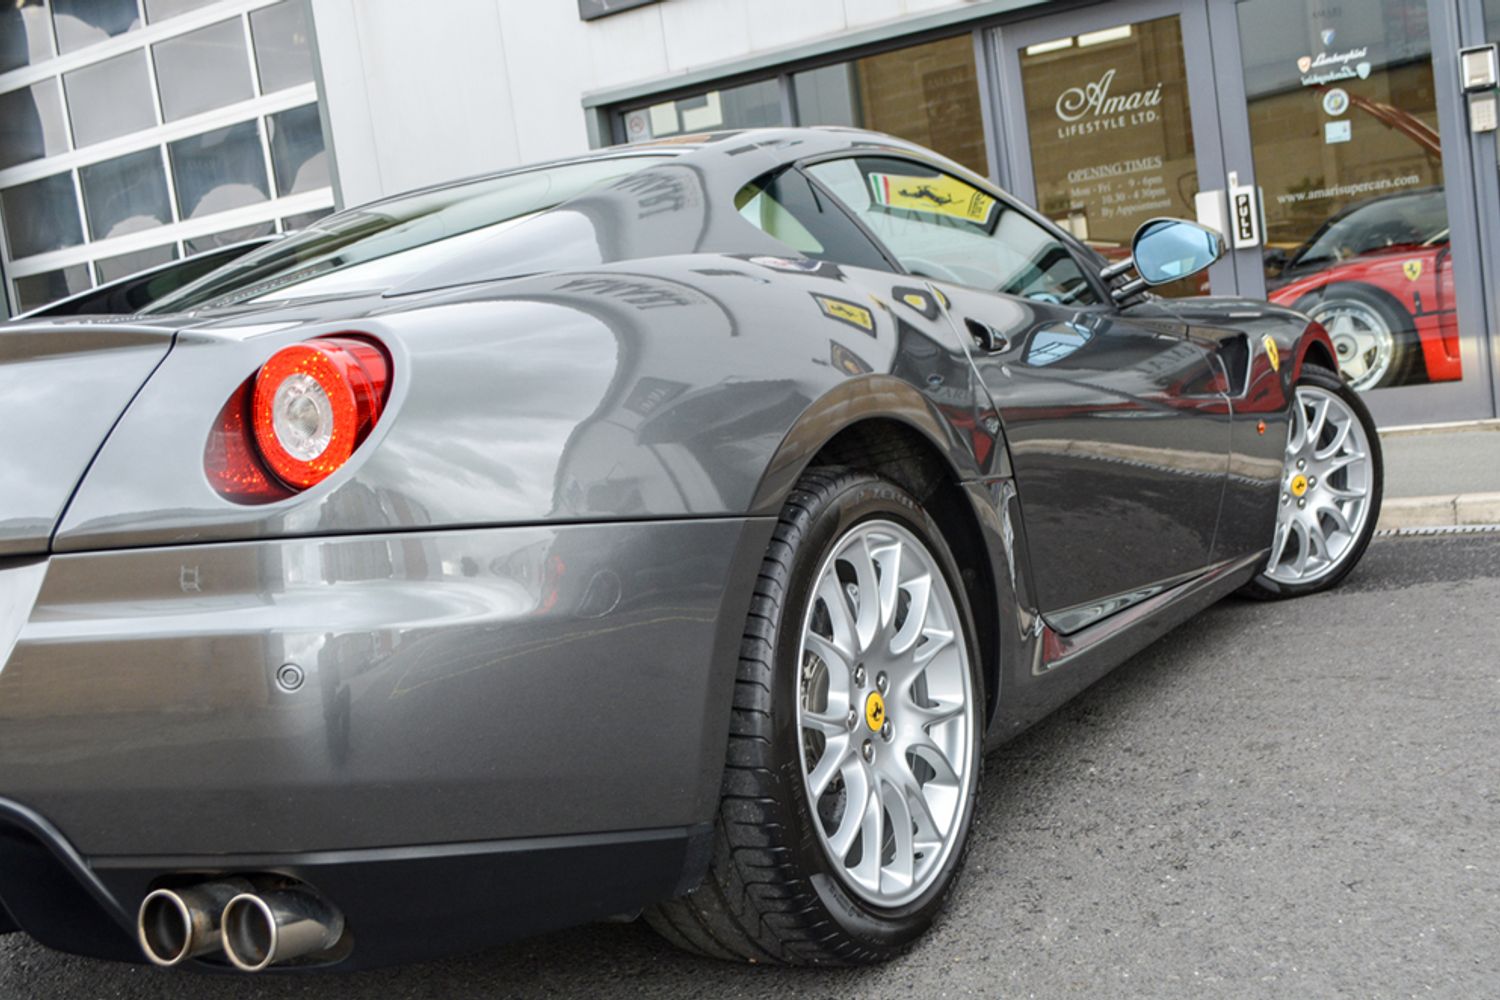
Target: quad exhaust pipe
(254, 928)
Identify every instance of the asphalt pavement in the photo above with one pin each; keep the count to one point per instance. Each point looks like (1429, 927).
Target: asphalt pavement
(1299, 799)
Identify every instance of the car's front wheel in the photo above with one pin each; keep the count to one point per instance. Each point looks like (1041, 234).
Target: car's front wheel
(854, 750)
(1330, 489)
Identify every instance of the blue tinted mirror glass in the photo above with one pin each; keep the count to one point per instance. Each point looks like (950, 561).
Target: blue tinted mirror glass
(1169, 249)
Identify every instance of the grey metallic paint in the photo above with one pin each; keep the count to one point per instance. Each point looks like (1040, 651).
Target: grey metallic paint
(518, 607)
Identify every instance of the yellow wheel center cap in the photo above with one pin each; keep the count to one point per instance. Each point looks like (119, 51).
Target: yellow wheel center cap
(1299, 485)
(875, 711)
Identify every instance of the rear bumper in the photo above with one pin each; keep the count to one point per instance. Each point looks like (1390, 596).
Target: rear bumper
(474, 705)
(400, 904)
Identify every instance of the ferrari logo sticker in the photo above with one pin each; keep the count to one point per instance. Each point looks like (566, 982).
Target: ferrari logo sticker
(1412, 269)
(875, 711)
(1273, 353)
(937, 195)
(847, 312)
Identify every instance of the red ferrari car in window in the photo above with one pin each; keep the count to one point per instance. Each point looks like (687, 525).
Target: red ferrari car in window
(1379, 279)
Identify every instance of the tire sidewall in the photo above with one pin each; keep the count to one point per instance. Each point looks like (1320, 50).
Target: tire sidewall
(863, 498)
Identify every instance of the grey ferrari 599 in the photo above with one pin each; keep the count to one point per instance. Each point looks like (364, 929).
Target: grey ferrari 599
(667, 531)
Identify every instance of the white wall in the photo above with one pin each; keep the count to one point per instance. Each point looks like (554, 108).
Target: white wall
(418, 93)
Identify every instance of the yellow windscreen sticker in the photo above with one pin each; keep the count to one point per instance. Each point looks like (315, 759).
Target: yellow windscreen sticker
(938, 195)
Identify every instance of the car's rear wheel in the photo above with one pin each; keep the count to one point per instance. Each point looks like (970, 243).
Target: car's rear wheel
(1330, 489)
(1375, 340)
(854, 750)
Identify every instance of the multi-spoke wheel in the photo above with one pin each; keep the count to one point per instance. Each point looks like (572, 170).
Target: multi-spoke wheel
(886, 709)
(1372, 338)
(1330, 489)
(854, 750)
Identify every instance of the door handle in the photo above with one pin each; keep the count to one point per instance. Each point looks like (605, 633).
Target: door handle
(987, 337)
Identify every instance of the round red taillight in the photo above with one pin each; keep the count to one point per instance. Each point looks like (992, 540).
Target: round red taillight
(313, 404)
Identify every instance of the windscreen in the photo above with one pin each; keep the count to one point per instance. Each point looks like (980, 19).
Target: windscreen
(378, 246)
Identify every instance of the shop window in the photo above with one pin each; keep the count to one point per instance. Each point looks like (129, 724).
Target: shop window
(84, 22)
(219, 170)
(110, 98)
(25, 35)
(36, 290)
(754, 105)
(127, 194)
(227, 237)
(202, 70)
(1343, 122)
(122, 265)
(1109, 120)
(942, 227)
(283, 56)
(927, 93)
(160, 10)
(31, 123)
(297, 154)
(41, 216)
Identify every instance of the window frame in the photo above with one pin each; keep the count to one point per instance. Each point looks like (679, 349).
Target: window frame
(1089, 262)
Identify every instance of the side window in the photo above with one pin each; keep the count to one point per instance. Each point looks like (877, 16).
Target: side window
(941, 227)
(787, 207)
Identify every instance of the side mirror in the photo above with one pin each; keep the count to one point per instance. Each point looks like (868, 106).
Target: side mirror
(1166, 250)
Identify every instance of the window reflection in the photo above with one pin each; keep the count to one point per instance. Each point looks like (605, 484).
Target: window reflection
(126, 194)
(1344, 127)
(160, 10)
(41, 215)
(25, 34)
(202, 70)
(31, 123)
(227, 237)
(36, 290)
(283, 55)
(84, 22)
(297, 153)
(110, 98)
(926, 93)
(219, 170)
(112, 268)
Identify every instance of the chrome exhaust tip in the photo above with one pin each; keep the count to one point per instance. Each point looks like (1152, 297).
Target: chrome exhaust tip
(268, 928)
(174, 925)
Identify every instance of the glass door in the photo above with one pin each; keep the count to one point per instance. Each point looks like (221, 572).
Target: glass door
(1368, 227)
(1102, 126)
(1328, 141)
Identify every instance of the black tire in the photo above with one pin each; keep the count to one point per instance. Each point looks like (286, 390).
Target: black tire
(772, 895)
(1262, 586)
(1406, 352)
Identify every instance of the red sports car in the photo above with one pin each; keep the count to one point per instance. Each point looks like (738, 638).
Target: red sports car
(1379, 278)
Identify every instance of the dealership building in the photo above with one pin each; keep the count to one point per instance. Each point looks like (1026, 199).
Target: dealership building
(1347, 148)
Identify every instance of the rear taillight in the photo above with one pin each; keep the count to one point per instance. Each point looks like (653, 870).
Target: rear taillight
(299, 419)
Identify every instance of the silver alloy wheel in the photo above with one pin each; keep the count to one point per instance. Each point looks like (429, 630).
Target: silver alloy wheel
(1364, 340)
(885, 713)
(1325, 489)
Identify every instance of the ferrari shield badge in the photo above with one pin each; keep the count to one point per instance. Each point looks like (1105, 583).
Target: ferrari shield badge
(1412, 269)
(1273, 353)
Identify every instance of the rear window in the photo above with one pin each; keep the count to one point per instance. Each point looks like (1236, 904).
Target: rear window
(380, 245)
